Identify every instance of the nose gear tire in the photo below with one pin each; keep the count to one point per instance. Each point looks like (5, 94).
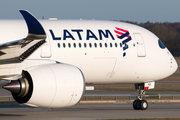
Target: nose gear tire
(140, 104)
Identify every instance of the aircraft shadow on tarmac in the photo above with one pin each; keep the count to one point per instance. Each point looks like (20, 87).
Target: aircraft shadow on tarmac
(12, 105)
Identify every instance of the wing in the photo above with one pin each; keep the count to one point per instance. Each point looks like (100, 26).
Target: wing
(17, 51)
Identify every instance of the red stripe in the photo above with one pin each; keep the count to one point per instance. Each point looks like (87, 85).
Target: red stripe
(121, 29)
(146, 88)
(118, 32)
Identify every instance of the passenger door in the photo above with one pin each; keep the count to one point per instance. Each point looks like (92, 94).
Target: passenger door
(46, 49)
(141, 52)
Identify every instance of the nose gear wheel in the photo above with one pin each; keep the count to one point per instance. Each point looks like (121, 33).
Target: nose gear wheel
(140, 104)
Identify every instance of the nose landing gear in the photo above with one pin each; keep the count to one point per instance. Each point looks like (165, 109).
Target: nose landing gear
(140, 103)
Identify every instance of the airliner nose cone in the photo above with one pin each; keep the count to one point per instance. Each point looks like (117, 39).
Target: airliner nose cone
(13, 86)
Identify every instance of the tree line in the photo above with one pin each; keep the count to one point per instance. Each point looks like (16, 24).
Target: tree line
(169, 33)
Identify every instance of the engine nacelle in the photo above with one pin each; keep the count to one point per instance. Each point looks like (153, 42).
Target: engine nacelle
(50, 85)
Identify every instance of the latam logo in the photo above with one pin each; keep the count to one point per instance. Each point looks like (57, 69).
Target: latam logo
(121, 34)
(78, 33)
(124, 36)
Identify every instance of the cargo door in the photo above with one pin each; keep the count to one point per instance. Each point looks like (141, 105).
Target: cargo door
(141, 52)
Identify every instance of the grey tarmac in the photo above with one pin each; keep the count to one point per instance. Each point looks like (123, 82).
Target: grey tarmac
(14, 111)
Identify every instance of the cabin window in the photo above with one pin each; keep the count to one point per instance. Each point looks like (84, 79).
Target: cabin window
(58, 45)
(74, 45)
(95, 45)
(120, 44)
(115, 44)
(64, 45)
(85, 45)
(100, 44)
(90, 45)
(105, 44)
(80, 45)
(110, 44)
(69, 45)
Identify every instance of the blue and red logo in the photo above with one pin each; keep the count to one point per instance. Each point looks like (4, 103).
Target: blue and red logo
(124, 36)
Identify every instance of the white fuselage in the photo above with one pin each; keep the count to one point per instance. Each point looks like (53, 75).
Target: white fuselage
(78, 42)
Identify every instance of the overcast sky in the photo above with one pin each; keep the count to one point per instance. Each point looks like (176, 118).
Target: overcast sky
(132, 10)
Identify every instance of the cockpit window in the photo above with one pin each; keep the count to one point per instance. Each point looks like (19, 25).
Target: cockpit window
(161, 45)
